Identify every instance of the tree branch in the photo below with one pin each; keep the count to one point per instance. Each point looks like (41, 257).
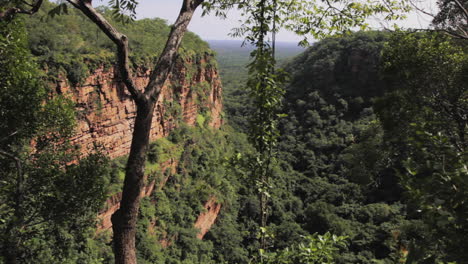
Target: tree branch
(463, 9)
(166, 60)
(11, 12)
(12, 134)
(119, 39)
(453, 34)
(421, 10)
(19, 180)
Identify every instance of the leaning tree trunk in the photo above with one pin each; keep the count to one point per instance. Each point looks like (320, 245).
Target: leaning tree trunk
(125, 219)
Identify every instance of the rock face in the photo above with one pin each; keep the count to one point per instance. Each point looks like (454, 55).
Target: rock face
(113, 202)
(106, 116)
(207, 218)
(106, 111)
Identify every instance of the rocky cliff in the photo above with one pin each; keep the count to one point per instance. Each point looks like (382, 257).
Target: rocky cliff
(106, 111)
(113, 202)
(208, 217)
(106, 115)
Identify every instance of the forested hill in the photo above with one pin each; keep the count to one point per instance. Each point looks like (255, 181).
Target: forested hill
(71, 44)
(329, 98)
(331, 141)
(355, 118)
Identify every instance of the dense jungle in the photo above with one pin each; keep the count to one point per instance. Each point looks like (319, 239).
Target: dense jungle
(350, 150)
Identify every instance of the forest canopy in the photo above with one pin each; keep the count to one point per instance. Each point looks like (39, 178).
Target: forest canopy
(355, 152)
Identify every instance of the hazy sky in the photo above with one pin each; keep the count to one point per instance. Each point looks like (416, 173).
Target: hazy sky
(214, 28)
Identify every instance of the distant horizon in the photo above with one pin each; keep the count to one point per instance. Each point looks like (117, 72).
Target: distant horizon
(211, 27)
(241, 40)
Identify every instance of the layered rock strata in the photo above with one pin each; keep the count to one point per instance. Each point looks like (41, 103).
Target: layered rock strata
(106, 112)
(113, 202)
(208, 217)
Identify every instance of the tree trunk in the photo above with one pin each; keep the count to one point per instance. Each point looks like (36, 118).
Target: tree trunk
(124, 220)
(10, 250)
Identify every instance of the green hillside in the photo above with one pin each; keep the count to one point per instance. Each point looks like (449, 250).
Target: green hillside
(368, 166)
(338, 168)
(73, 45)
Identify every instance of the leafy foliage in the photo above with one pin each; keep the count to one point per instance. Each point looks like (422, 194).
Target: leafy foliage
(49, 196)
(21, 94)
(318, 19)
(316, 249)
(69, 44)
(424, 117)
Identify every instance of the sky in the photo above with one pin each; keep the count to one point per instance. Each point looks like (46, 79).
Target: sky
(214, 28)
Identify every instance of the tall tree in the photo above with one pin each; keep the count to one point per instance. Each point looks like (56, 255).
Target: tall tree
(450, 18)
(124, 220)
(45, 187)
(303, 17)
(424, 115)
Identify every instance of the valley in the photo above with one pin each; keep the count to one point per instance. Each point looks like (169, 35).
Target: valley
(365, 161)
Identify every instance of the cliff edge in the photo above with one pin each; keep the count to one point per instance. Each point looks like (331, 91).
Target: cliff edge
(106, 111)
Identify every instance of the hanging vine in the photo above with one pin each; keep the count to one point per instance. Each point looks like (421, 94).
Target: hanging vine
(305, 18)
(265, 88)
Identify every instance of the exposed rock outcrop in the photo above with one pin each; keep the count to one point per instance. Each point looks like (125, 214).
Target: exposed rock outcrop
(106, 111)
(207, 218)
(113, 202)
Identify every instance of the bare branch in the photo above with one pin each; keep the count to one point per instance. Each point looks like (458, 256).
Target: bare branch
(463, 9)
(453, 34)
(421, 10)
(463, 30)
(166, 60)
(26, 3)
(458, 32)
(11, 12)
(19, 180)
(119, 39)
(7, 137)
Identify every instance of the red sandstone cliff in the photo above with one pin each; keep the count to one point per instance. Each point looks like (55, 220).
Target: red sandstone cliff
(207, 218)
(204, 222)
(113, 202)
(106, 111)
